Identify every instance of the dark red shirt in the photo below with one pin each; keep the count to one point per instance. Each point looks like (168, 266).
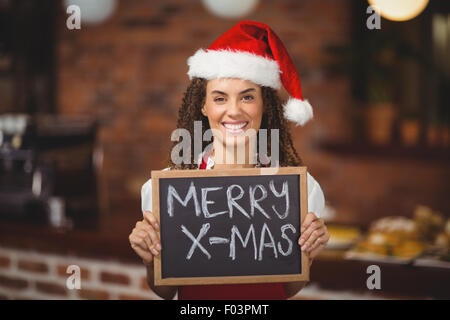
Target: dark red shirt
(255, 291)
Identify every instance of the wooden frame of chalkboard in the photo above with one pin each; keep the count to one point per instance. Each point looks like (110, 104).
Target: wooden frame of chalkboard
(301, 275)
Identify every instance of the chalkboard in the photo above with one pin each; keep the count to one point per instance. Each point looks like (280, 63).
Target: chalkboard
(230, 226)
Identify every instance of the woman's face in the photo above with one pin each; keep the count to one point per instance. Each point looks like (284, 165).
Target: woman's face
(233, 107)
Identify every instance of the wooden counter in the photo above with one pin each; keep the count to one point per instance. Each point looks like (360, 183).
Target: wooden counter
(332, 271)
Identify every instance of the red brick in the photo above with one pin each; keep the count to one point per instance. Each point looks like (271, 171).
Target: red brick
(14, 283)
(51, 288)
(4, 262)
(117, 278)
(32, 266)
(144, 283)
(92, 294)
(62, 272)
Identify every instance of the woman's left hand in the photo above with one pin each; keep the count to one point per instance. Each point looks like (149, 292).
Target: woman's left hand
(314, 235)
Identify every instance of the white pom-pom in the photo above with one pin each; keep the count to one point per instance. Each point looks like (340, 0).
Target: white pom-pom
(298, 111)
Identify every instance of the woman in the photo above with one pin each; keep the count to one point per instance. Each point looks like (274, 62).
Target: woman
(233, 92)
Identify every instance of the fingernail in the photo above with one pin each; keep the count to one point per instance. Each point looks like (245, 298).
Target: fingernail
(156, 225)
(302, 241)
(158, 246)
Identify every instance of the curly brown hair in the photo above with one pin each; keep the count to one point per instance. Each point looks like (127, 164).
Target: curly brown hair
(273, 118)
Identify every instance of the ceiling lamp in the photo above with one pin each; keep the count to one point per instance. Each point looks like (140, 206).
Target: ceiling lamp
(94, 12)
(399, 10)
(230, 8)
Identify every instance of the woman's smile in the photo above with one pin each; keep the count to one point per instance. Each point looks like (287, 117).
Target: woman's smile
(235, 127)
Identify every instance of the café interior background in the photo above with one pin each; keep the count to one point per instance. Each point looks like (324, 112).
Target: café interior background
(86, 114)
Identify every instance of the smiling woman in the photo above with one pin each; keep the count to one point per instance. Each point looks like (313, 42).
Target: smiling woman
(233, 94)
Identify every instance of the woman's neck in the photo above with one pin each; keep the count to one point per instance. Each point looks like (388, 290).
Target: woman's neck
(229, 157)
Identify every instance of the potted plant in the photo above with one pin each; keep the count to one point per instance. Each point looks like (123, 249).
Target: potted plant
(380, 109)
(410, 129)
(371, 63)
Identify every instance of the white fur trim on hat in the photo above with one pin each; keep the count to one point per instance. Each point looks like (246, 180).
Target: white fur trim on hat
(298, 111)
(214, 64)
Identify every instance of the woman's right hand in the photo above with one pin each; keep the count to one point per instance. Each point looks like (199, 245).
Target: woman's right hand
(144, 238)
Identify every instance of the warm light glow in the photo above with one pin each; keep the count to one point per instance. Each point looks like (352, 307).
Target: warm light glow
(94, 12)
(230, 8)
(399, 10)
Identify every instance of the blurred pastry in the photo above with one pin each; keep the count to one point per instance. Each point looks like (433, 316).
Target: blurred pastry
(342, 236)
(408, 249)
(400, 227)
(429, 223)
(442, 241)
(392, 236)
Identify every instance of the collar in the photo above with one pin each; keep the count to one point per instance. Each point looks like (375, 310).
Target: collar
(204, 158)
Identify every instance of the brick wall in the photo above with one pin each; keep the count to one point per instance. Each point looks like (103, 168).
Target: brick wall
(130, 73)
(33, 275)
(29, 275)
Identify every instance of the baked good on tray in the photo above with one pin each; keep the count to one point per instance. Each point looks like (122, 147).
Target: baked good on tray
(427, 234)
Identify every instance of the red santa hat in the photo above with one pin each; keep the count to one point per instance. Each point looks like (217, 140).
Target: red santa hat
(252, 51)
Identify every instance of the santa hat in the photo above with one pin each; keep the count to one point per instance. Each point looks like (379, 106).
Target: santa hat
(252, 51)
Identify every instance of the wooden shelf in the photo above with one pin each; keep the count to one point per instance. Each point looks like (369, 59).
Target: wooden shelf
(388, 152)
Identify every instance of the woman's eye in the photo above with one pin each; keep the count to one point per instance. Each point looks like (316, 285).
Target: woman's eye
(220, 99)
(248, 98)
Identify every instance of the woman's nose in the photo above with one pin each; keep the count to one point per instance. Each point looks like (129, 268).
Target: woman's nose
(234, 108)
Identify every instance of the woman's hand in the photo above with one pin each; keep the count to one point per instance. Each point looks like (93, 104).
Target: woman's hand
(144, 238)
(314, 236)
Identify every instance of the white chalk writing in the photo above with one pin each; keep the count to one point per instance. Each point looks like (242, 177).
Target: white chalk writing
(172, 193)
(235, 232)
(205, 203)
(196, 241)
(284, 193)
(284, 236)
(263, 244)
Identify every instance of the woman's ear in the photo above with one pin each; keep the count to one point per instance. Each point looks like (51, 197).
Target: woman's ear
(204, 111)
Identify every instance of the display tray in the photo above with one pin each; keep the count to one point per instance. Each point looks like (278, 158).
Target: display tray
(369, 256)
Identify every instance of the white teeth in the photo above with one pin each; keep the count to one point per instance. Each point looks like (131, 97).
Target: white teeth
(235, 126)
